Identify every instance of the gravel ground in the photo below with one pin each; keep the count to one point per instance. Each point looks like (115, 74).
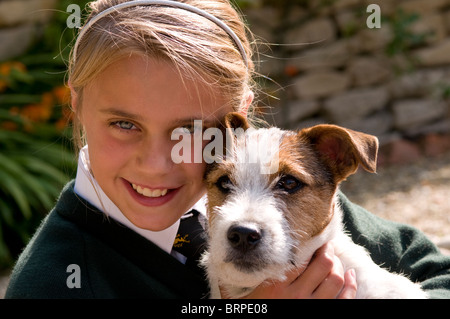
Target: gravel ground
(4, 279)
(417, 194)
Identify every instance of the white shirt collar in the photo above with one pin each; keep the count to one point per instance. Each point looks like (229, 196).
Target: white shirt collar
(87, 187)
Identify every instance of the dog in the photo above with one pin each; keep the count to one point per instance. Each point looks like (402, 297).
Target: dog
(263, 222)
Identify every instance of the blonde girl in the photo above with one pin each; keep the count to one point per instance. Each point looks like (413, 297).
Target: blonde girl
(140, 70)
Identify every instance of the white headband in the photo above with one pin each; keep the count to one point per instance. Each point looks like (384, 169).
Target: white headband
(167, 3)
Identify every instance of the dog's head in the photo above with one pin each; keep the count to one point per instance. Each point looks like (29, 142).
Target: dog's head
(260, 221)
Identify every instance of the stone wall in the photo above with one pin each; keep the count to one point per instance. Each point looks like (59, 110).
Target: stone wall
(330, 67)
(327, 65)
(21, 22)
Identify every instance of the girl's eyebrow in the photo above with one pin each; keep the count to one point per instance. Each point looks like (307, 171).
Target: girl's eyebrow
(121, 113)
(176, 122)
(190, 120)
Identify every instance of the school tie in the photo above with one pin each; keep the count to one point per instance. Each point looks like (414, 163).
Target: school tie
(190, 240)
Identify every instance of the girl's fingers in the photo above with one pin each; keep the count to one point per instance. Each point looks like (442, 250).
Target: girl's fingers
(350, 287)
(322, 274)
(324, 277)
(331, 286)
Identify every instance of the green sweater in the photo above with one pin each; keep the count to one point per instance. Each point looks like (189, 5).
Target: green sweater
(115, 262)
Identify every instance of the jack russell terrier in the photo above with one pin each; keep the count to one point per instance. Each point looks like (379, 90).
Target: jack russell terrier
(266, 217)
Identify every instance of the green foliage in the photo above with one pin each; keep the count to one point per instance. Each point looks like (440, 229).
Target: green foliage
(404, 39)
(35, 153)
(32, 172)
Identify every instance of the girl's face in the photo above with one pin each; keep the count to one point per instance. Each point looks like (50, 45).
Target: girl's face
(129, 112)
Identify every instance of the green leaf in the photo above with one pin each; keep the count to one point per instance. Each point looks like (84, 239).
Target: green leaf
(10, 186)
(30, 183)
(20, 76)
(6, 213)
(19, 99)
(40, 167)
(6, 115)
(5, 256)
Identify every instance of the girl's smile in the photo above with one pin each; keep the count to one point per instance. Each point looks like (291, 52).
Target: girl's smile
(129, 112)
(151, 197)
(147, 192)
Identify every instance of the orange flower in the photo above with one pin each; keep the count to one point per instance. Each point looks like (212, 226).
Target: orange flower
(3, 85)
(32, 112)
(62, 94)
(9, 125)
(67, 113)
(6, 67)
(61, 124)
(14, 110)
(47, 100)
(40, 112)
(5, 71)
(66, 119)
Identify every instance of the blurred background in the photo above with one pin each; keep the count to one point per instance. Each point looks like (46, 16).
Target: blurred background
(385, 73)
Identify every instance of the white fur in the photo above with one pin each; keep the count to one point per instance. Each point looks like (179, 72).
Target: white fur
(266, 216)
(252, 203)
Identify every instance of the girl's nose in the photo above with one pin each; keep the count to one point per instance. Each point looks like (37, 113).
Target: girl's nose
(155, 157)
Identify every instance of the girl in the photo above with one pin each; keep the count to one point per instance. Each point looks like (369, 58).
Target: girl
(140, 70)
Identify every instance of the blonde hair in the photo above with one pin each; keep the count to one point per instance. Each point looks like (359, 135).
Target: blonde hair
(199, 48)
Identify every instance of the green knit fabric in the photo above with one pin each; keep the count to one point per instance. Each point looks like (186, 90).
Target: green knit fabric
(399, 248)
(114, 261)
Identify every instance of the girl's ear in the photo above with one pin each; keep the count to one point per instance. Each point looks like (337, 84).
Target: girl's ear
(73, 97)
(246, 103)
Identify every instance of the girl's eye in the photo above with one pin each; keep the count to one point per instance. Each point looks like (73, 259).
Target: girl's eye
(183, 130)
(194, 128)
(189, 128)
(289, 184)
(124, 125)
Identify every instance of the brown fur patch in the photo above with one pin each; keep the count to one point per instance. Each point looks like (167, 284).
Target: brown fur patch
(215, 196)
(308, 211)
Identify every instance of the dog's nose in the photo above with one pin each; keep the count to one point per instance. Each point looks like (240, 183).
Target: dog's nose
(243, 237)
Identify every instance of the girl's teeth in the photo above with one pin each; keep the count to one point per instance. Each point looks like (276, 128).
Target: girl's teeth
(148, 192)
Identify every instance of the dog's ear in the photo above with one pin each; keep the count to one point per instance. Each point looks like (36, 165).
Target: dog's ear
(343, 150)
(234, 125)
(235, 120)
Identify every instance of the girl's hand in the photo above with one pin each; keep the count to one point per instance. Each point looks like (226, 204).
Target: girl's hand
(323, 278)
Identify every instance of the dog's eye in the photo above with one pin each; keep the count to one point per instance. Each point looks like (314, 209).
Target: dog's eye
(289, 184)
(224, 184)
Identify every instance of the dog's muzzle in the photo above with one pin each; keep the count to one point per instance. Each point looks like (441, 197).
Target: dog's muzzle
(244, 238)
(245, 247)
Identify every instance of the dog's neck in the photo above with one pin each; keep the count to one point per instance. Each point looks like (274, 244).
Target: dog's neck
(331, 230)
